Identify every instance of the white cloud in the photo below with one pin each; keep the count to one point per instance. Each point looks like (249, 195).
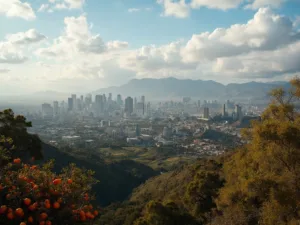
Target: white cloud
(263, 64)
(216, 4)
(266, 31)
(11, 50)
(152, 60)
(256, 4)
(77, 38)
(17, 8)
(29, 37)
(43, 7)
(61, 4)
(75, 4)
(175, 8)
(116, 45)
(131, 10)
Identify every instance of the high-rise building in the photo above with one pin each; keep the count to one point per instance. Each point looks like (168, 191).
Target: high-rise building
(70, 104)
(55, 108)
(47, 110)
(140, 109)
(74, 102)
(149, 109)
(119, 100)
(110, 97)
(206, 113)
(224, 110)
(199, 104)
(129, 105)
(238, 112)
(99, 103)
(135, 103)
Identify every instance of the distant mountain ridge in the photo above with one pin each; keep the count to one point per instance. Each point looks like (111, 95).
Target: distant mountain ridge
(168, 88)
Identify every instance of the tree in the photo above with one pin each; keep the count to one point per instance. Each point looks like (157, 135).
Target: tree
(15, 127)
(263, 178)
(32, 194)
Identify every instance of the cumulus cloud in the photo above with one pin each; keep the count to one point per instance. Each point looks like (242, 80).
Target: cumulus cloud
(11, 50)
(256, 4)
(29, 37)
(266, 31)
(179, 9)
(154, 60)
(17, 8)
(77, 38)
(263, 64)
(216, 4)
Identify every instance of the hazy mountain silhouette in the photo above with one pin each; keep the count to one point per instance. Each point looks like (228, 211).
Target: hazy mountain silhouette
(168, 88)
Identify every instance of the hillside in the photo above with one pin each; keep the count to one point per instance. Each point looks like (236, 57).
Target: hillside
(169, 88)
(117, 180)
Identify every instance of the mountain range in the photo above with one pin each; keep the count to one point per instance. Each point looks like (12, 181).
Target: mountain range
(172, 88)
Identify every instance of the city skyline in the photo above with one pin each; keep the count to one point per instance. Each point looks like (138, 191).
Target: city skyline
(67, 45)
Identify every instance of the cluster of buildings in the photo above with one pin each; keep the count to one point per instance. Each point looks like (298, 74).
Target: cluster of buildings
(101, 106)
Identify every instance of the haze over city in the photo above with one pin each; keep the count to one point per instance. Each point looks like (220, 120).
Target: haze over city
(84, 45)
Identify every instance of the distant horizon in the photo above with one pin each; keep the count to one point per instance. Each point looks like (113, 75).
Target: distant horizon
(164, 78)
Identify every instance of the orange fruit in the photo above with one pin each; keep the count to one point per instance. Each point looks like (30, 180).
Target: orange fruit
(27, 201)
(48, 222)
(56, 181)
(43, 216)
(56, 205)
(19, 212)
(30, 219)
(10, 216)
(22, 223)
(3, 209)
(17, 161)
(95, 213)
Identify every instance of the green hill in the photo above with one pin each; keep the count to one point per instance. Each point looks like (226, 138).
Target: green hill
(117, 179)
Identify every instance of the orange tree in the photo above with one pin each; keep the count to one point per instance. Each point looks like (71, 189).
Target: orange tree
(33, 194)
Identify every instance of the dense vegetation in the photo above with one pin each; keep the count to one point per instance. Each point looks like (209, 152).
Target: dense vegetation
(34, 194)
(256, 184)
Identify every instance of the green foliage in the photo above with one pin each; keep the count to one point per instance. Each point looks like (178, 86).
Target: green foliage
(15, 127)
(157, 213)
(263, 177)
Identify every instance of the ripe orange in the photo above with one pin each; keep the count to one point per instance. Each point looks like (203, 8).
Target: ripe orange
(43, 216)
(82, 218)
(19, 212)
(30, 219)
(3, 209)
(17, 161)
(56, 205)
(22, 223)
(10, 216)
(57, 181)
(35, 187)
(96, 213)
(47, 206)
(59, 200)
(70, 181)
(27, 201)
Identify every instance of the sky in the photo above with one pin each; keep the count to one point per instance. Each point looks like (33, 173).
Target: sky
(84, 45)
